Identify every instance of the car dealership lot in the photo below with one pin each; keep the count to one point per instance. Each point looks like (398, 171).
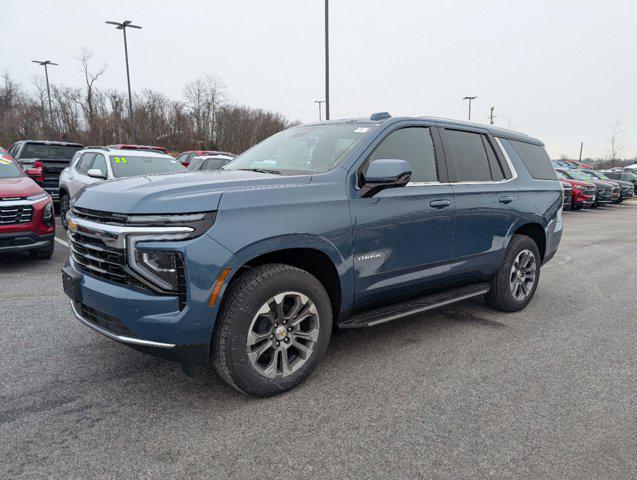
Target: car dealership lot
(464, 391)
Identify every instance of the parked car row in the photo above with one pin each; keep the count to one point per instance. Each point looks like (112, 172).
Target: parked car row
(588, 188)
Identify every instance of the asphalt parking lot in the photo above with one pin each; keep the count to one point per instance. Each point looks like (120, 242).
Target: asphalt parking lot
(462, 392)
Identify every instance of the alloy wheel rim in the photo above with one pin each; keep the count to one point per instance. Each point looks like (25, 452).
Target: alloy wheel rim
(64, 208)
(523, 275)
(283, 335)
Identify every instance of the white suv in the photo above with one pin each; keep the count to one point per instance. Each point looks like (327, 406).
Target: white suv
(99, 164)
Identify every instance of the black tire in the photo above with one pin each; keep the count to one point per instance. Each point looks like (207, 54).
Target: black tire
(65, 203)
(500, 296)
(45, 253)
(246, 295)
(576, 207)
(595, 205)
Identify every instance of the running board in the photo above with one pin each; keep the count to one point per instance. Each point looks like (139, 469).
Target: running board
(411, 307)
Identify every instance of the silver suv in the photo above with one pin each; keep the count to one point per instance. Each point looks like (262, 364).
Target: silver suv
(98, 164)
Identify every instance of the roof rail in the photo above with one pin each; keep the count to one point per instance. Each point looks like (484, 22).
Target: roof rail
(98, 147)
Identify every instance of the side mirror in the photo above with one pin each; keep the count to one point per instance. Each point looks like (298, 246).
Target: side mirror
(384, 173)
(96, 173)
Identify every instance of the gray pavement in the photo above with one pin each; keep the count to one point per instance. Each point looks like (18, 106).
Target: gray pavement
(462, 392)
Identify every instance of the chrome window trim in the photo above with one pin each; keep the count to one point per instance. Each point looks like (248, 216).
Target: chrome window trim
(119, 338)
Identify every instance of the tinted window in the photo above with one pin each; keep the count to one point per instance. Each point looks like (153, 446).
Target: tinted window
(496, 169)
(85, 162)
(535, 159)
(215, 163)
(415, 145)
(34, 150)
(469, 157)
(196, 163)
(100, 163)
(183, 158)
(133, 165)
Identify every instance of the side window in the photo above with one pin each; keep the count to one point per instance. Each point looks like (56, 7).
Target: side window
(415, 145)
(182, 158)
(100, 164)
(468, 156)
(535, 159)
(85, 162)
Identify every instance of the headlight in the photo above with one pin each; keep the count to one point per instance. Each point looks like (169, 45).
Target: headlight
(39, 196)
(161, 268)
(47, 214)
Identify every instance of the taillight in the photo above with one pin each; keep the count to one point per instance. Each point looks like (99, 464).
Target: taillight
(39, 166)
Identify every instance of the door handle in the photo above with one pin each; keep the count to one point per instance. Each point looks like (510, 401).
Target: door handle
(440, 203)
(505, 199)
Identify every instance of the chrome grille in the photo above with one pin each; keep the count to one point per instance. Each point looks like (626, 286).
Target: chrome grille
(15, 214)
(95, 258)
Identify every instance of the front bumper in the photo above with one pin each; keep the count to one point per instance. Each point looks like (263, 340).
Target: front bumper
(153, 323)
(24, 242)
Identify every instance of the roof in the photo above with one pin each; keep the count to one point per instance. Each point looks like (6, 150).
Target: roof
(53, 142)
(495, 131)
(127, 152)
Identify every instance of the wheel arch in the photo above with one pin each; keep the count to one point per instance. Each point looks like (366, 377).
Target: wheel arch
(312, 254)
(536, 232)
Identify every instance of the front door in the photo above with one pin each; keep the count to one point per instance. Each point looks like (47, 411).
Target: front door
(403, 236)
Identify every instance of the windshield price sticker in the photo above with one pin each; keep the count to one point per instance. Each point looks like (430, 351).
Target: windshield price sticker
(120, 160)
(4, 161)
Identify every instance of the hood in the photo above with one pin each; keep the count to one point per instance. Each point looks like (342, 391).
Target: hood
(621, 183)
(177, 193)
(579, 183)
(18, 187)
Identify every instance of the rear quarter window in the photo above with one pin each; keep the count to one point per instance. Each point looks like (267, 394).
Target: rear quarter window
(535, 159)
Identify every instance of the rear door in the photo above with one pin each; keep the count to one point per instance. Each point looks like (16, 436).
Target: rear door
(403, 236)
(486, 200)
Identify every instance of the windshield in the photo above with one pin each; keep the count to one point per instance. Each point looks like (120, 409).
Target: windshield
(62, 152)
(577, 175)
(304, 149)
(598, 175)
(134, 165)
(8, 169)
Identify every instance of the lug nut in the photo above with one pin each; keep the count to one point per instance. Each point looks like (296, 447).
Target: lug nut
(278, 343)
(284, 322)
(289, 329)
(276, 325)
(287, 339)
(271, 337)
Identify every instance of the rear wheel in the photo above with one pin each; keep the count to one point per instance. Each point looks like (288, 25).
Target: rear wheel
(273, 329)
(514, 285)
(65, 205)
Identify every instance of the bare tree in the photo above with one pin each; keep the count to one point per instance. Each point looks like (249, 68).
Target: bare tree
(616, 143)
(89, 100)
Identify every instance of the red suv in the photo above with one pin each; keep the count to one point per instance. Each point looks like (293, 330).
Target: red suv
(26, 213)
(583, 192)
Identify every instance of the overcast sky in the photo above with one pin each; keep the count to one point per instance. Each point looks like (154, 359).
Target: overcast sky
(561, 70)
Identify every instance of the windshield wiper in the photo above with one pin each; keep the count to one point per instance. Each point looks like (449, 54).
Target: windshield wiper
(260, 170)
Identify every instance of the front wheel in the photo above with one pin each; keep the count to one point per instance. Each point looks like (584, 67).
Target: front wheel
(514, 285)
(65, 203)
(273, 329)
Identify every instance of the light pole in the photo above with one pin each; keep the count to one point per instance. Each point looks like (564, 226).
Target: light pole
(470, 99)
(319, 105)
(327, 62)
(46, 64)
(123, 26)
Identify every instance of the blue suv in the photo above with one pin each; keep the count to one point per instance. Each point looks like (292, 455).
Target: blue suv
(341, 224)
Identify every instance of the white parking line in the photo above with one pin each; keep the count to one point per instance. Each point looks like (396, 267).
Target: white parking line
(61, 242)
